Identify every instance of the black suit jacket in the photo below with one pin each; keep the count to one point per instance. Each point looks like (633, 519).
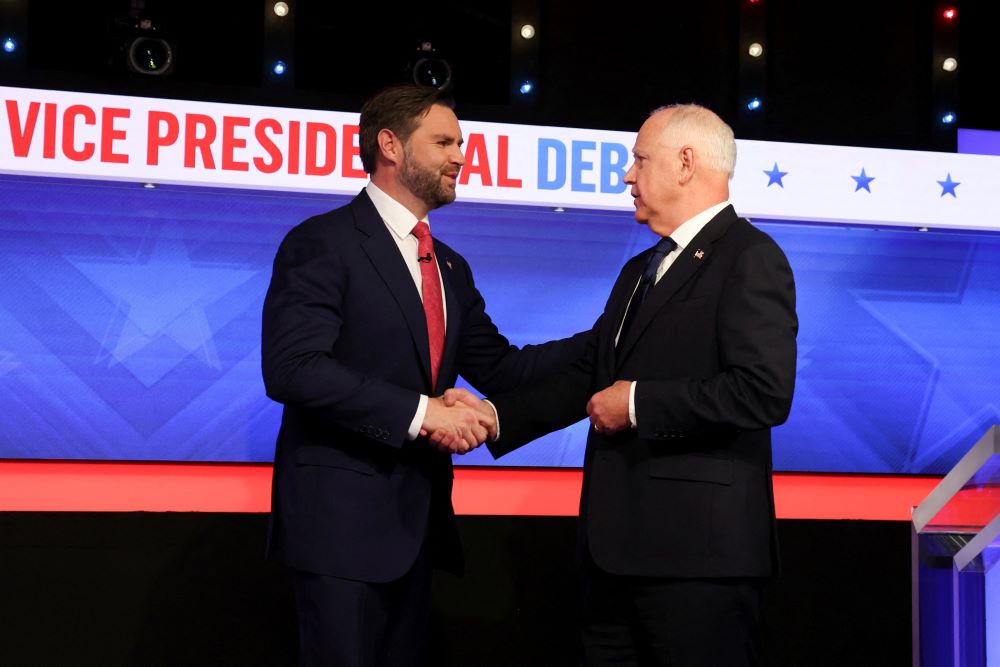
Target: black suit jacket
(688, 493)
(345, 349)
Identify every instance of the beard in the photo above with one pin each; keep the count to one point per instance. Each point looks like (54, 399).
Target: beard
(425, 183)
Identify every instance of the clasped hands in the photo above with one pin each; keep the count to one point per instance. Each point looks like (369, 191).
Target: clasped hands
(457, 421)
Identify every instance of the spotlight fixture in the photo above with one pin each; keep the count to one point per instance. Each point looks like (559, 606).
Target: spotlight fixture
(143, 46)
(279, 67)
(429, 69)
(9, 45)
(754, 104)
(527, 31)
(526, 87)
(949, 65)
(756, 50)
(281, 8)
(949, 118)
(150, 55)
(950, 14)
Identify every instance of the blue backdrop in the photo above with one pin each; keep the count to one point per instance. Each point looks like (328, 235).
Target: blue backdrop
(130, 323)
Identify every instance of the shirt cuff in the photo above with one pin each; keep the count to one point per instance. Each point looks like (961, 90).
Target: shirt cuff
(496, 416)
(418, 419)
(631, 407)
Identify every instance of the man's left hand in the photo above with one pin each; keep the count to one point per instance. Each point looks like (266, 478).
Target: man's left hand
(608, 409)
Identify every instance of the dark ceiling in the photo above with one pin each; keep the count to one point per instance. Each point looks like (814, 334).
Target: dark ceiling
(853, 73)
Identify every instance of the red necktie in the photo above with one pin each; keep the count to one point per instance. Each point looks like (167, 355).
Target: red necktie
(430, 281)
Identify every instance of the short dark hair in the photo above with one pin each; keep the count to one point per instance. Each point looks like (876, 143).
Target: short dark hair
(397, 108)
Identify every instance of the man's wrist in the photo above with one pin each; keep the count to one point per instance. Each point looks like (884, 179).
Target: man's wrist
(418, 419)
(631, 406)
(496, 417)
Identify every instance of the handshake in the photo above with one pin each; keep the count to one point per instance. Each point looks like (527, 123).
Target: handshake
(457, 422)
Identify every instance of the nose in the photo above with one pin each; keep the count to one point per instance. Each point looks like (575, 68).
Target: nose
(630, 175)
(457, 156)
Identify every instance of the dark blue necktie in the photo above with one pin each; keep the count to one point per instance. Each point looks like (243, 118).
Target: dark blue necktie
(661, 250)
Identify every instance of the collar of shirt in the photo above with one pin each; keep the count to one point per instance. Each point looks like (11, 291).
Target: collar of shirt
(400, 222)
(397, 217)
(684, 234)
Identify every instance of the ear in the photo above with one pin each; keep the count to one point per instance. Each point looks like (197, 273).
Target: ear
(390, 148)
(687, 159)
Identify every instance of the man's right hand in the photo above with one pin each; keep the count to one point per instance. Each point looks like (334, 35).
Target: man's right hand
(485, 413)
(453, 428)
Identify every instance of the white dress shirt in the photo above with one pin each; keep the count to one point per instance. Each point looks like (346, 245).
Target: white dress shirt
(682, 236)
(400, 222)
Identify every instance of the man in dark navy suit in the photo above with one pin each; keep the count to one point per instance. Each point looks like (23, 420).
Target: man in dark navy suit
(366, 321)
(691, 364)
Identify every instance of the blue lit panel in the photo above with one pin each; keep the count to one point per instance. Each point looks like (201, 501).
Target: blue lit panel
(130, 323)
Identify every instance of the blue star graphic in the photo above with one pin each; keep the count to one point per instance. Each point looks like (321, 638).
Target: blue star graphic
(7, 362)
(862, 181)
(948, 186)
(163, 297)
(953, 332)
(775, 176)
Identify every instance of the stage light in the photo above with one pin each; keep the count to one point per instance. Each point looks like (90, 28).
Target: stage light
(526, 87)
(9, 45)
(754, 104)
(949, 65)
(527, 31)
(149, 186)
(430, 69)
(279, 67)
(281, 8)
(950, 14)
(150, 55)
(756, 50)
(949, 118)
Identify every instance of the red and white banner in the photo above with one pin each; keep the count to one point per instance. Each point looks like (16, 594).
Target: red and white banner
(82, 135)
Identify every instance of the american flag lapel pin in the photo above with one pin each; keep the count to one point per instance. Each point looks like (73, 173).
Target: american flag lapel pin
(448, 263)
(698, 254)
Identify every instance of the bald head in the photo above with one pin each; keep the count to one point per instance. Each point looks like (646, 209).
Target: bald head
(699, 127)
(684, 157)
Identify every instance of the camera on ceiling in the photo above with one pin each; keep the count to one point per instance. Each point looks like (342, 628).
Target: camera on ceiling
(142, 43)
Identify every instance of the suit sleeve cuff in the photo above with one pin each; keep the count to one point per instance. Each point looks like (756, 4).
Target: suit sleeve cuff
(496, 416)
(418, 419)
(631, 407)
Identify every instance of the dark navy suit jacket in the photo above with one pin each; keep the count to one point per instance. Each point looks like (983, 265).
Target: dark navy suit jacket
(345, 349)
(688, 493)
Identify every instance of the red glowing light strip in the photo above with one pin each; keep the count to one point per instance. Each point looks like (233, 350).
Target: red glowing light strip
(66, 486)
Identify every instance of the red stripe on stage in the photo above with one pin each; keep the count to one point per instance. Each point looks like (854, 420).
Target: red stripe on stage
(71, 486)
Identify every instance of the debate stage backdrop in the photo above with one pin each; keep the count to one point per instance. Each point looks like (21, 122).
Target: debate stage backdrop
(130, 315)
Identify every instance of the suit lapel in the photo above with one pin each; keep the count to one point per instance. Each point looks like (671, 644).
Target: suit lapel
(384, 255)
(697, 254)
(621, 294)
